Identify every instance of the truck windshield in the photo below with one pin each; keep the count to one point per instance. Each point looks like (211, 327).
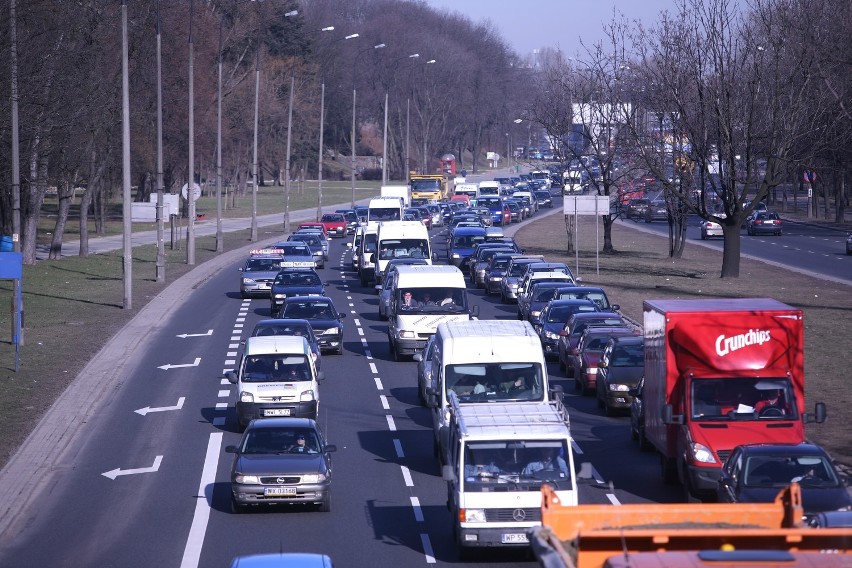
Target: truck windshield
(403, 248)
(385, 214)
(737, 398)
(370, 242)
(425, 185)
(516, 465)
(275, 368)
(488, 382)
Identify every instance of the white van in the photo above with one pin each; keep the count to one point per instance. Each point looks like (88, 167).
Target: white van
(481, 362)
(500, 456)
(276, 377)
(366, 252)
(388, 208)
(422, 298)
(469, 189)
(400, 239)
(572, 182)
(489, 188)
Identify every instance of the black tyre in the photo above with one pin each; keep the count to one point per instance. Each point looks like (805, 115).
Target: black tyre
(325, 506)
(237, 508)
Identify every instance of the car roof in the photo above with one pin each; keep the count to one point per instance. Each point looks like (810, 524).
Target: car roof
(800, 449)
(308, 298)
(283, 422)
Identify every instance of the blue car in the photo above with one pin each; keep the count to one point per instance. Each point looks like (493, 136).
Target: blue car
(460, 247)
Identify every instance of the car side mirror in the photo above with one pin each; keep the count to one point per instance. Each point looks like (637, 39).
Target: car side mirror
(232, 377)
(341, 315)
(615, 307)
(321, 375)
(373, 258)
(328, 448)
(231, 450)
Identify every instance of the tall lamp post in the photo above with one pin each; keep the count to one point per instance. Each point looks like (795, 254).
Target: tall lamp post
(357, 58)
(190, 183)
(322, 124)
(385, 133)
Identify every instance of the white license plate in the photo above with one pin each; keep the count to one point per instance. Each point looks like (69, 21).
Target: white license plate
(276, 491)
(277, 412)
(512, 538)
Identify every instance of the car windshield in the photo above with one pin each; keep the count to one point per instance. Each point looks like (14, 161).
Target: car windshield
(282, 329)
(370, 242)
(467, 241)
(627, 356)
(580, 326)
(562, 313)
(542, 294)
(262, 264)
(385, 214)
(403, 248)
(782, 469)
(298, 279)
(308, 310)
(332, 217)
(485, 382)
(596, 343)
(267, 440)
(296, 250)
(515, 465)
(518, 269)
(275, 368)
(310, 240)
(737, 398)
(598, 298)
(435, 300)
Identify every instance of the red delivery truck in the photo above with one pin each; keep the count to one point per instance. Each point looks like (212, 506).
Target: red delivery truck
(719, 373)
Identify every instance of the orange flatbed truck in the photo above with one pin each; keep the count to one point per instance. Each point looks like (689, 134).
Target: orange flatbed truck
(686, 535)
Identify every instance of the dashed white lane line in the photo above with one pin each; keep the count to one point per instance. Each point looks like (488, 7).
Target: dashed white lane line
(231, 354)
(357, 322)
(613, 499)
(241, 319)
(406, 475)
(384, 400)
(398, 447)
(230, 361)
(391, 423)
(373, 368)
(351, 305)
(238, 326)
(235, 338)
(360, 331)
(427, 548)
(221, 406)
(234, 346)
(225, 381)
(418, 511)
(203, 504)
(378, 383)
(224, 393)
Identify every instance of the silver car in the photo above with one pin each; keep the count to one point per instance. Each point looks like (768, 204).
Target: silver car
(257, 274)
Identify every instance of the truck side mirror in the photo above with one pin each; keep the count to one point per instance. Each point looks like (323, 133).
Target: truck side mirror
(232, 377)
(373, 258)
(668, 416)
(321, 376)
(615, 307)
(448, 473)
(819, 414)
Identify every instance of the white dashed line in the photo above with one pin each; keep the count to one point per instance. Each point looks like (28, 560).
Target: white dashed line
(235, 338)
(224, 393)
(418, 512)
(364, 342)
(613, 499)
(361, 331)
(373, 368)
(357, 322)
(406, 474)
(427, 548)
(241, 319)
(238, 326)
(219, 421)
(398, 447)
(576, 447)
(230, 362)
(231, 354)
(391, 423)
(225, 381)
(384, 400)
(368, 354)
(379, 383)
(221, 406)
(234, 346)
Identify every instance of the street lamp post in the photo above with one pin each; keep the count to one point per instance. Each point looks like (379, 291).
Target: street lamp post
(190, 183)
(322, 121)
(385, 133)
(357, 57)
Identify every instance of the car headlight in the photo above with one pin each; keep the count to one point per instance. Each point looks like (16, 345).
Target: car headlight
(495, 278)
(551, 335)
(246, 397)
(248, 281)
(279, 296)
(701, 453)
(473, 515)
(332, 331)
(313, 478)
(535, 314)
(619, 388)
(247, 479)
(307, 396)
(456, 255)
(406, 335)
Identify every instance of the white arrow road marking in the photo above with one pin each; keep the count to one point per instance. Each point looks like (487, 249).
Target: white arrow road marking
(147, 409)
(170, 366)
(118, 471)
(185, 335)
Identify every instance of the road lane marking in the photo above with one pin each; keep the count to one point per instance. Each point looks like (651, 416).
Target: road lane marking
(384, 400)
(224, 393)
(203, 504)
(576, 447)
(231, 354)
(613, 499)
(233, 346)
(398, 447)
(357, 322)
(378, 383)
(185, 335)
(112, 474)
(374, 369)
(169, 366)
(418, 511)
(361, 331)
(230, 361)
(221, 406)
(147, 410)
(391, 423)
(427, 548)
(406, 475)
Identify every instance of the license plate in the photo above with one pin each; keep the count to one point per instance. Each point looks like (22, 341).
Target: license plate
(277, 412)
(277, 491)
(512, 538)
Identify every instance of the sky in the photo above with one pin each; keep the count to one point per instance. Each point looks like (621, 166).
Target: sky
(533, 24)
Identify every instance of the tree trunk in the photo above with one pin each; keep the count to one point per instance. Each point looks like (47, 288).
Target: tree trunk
(66, 192)
(840, 201)
(570, 232)
(85, 203)
(731, 250)
(608, 220)
(34, 201)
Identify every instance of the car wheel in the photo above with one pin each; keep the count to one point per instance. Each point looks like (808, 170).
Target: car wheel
(243, 295)
(237, 508)
(339, 350)
(325, 506)
(703, 236)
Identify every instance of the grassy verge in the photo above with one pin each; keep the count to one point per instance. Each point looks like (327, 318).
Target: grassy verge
(641, 270)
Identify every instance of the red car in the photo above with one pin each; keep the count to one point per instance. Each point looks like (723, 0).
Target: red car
(588, 354)
(334, 224)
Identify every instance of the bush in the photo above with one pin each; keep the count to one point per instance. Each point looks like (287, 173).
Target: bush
(371, 174)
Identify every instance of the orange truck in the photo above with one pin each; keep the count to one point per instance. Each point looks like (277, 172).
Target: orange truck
(686, 535)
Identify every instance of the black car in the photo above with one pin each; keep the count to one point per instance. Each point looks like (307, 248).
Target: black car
(593, 293)
(552, 319)
(540, 294)
(290, 327)
(544, 198)
(637, 417)
(495, 272)
(619, 370)
(281, 461)
(294, 282)
(323, 317)
(755, 473)
(314, 243)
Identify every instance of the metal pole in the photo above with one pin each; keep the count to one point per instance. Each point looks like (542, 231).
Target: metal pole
(253, 236)
(319, 176)
(407, 134)
(125, 162)
(220, 243)
(161, 245)
(17, 324)
(352, 174)
(190, 184)
(287, 162)
(385, 145)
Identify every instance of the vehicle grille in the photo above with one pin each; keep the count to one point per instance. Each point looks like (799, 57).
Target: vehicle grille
(281, 480)
(507, 515)
(724, 454)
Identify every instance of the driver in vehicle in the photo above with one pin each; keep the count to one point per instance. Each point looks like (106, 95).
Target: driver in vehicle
(547, 461)
(302, 446)
(772, 405)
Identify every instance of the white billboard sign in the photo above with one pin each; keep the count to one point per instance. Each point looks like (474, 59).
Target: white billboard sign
(585, 205)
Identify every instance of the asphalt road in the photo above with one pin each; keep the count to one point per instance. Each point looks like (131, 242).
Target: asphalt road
(138, 488)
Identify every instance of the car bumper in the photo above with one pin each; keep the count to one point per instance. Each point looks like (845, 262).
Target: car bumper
(340, 232)
(703, 479)
(491, 537)
(509, 293)
(327, 343)
(492, 286)
(410, 346)
(254, 494)
(254, 291)
(248, 411)
(620, 400)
